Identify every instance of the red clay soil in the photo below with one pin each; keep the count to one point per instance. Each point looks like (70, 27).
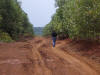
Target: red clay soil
(37, 57)
(84, 48)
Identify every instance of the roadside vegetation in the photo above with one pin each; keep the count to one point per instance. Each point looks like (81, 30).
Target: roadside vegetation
(76, 19)
(13, 21)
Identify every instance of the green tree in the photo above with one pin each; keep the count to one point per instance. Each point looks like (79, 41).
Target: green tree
(78, 19)
(14, 19)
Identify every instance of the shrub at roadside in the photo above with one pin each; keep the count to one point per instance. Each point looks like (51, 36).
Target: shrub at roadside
(4, 37)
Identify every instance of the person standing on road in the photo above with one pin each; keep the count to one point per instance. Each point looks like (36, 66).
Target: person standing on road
(54, 37)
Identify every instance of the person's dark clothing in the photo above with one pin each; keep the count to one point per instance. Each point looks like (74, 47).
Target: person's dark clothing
(54, 35)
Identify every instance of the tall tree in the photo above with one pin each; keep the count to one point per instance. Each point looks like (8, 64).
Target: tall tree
(77, 18)
(14, 19)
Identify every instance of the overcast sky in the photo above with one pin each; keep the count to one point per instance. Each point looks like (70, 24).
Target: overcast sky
(39, 11)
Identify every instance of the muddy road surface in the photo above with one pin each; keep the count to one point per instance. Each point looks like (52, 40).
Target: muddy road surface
(37, 57)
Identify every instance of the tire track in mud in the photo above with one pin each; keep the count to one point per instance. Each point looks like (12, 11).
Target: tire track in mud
(37, 57)
(40, 67)
(52, 62)
(60, 63)
(76, 64)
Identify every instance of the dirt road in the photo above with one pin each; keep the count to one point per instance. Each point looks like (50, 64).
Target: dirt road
(37, 57)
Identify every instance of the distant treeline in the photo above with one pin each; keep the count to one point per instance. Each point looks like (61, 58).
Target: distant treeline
(76, 19)
(13, 20)
(38, 30)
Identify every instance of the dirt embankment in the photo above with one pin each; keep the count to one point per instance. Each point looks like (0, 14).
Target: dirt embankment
(87, 49)
(37, 57)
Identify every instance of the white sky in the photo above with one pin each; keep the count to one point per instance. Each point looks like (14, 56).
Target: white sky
(39, 11)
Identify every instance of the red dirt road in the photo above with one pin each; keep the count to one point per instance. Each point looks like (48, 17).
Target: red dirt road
(37, 57)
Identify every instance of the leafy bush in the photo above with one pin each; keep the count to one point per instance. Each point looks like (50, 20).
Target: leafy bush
(4, 37)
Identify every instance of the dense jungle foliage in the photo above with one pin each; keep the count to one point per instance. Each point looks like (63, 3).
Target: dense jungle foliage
(76, 19)
(13, 20)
